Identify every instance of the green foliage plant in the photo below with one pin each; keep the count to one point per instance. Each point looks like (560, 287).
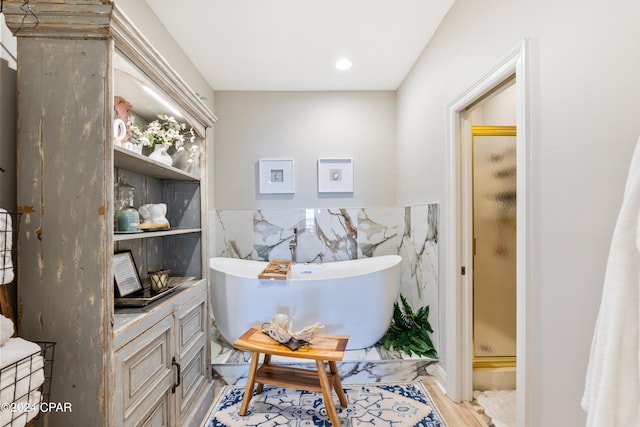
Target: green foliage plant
(410, 331)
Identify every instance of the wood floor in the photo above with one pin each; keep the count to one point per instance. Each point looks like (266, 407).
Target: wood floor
(455, 414)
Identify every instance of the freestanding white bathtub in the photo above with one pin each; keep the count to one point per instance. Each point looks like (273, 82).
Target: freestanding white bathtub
(349, 297)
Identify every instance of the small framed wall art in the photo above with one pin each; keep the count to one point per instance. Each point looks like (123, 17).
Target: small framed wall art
(335, 175)
(275, 176)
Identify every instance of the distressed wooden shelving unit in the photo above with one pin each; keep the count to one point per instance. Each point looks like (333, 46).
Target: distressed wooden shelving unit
(117, 367)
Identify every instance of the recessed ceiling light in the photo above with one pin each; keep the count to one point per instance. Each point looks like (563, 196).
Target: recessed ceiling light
(343, 64)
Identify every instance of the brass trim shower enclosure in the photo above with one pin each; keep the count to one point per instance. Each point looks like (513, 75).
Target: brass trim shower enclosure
(494, 246)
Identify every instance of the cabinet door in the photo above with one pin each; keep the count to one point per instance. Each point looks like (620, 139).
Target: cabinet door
(160, 415)
(144, 377)
(191, 345)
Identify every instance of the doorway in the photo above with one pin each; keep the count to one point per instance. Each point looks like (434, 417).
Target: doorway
(489, 201)
(456, 374)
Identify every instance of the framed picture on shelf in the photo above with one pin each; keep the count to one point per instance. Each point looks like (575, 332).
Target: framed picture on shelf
(126, 275)
(275, 176)
(335, 175)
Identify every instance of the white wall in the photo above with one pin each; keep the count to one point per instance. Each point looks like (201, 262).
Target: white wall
(584, 123)
(305, 126)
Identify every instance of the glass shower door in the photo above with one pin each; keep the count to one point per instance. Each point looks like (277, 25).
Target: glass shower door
(494, 245)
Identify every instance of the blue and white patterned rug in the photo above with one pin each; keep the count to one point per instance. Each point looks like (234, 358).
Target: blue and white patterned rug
(406, 404)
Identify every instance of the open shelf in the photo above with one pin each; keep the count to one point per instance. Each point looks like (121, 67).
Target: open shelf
(129, 160)
(155, 233)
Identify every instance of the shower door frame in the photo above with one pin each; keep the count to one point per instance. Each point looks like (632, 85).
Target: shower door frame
(508, 131)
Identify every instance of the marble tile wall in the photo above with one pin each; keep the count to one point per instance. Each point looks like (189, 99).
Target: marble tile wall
(327, 235)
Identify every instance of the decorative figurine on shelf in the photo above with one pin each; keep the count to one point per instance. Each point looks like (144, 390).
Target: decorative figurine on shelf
(126, 130)
(119, 132)
(122, 111)
(127, 219)
(154, 216)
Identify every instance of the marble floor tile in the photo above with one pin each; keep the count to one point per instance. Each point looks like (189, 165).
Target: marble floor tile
(350, 372)
(222, 353)
(374, 364)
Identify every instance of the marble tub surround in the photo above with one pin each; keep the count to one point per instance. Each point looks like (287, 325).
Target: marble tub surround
(419, 268)
(337, 234)
(380, 231)
(324, 235)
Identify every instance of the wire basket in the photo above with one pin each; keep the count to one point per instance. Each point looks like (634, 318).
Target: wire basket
(25, 386)
(47, 352)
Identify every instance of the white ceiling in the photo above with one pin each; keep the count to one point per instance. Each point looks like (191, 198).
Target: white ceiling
(294, 44)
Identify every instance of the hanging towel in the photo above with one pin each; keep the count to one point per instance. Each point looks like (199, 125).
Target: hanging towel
(612, 387)
(6, 241)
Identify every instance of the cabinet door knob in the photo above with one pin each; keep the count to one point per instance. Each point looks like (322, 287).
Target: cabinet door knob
(177, 365)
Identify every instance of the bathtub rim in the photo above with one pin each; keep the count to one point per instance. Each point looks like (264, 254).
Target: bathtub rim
(254, 267)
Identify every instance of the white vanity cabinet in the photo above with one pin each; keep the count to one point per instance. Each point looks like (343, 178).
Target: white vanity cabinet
(113, 366)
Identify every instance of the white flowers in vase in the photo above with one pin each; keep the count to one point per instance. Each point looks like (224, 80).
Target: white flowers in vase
(161, 134)
(166, 130)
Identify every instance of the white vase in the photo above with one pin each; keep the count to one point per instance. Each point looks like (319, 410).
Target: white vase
(160, 154)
